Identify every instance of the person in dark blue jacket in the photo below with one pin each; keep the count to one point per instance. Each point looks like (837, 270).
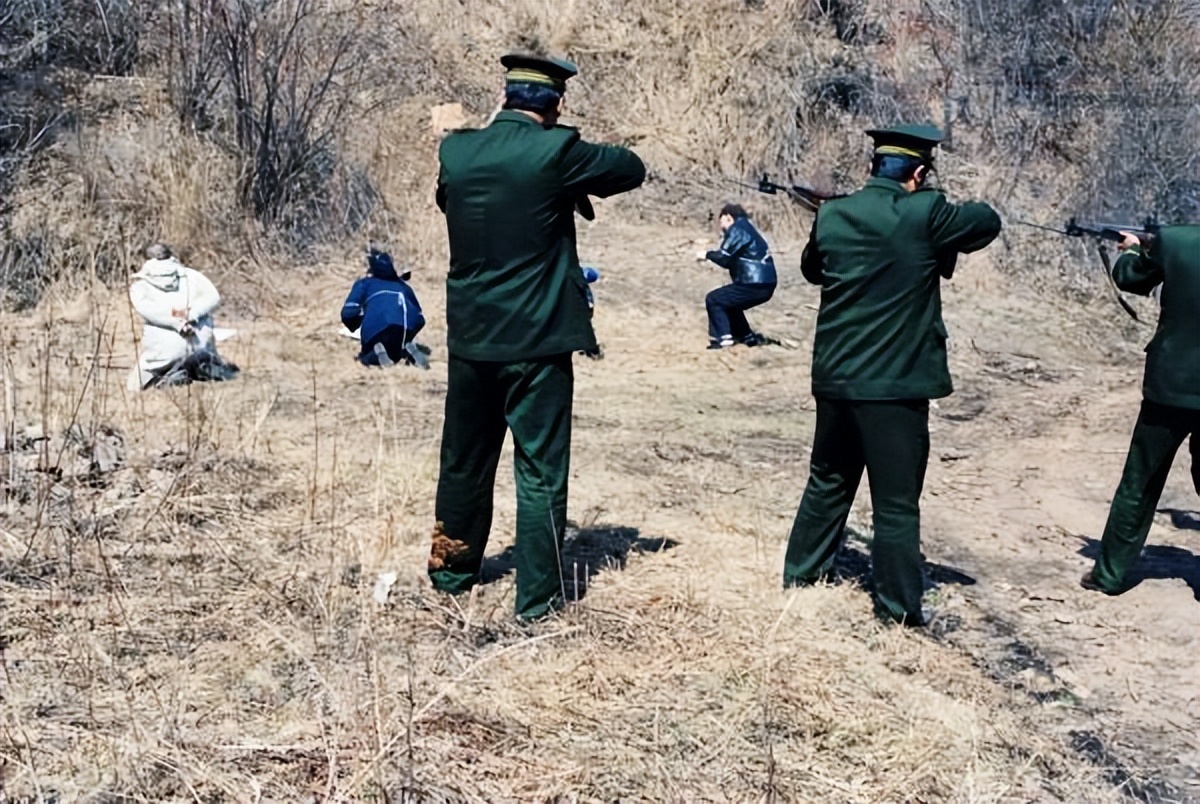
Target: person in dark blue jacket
(745, 254)
(387, 310)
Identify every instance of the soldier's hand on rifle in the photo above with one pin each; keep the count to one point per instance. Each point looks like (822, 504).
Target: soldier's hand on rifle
(1128, 240)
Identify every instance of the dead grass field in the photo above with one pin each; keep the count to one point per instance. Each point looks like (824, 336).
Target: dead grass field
(200, 624)
(201, 621)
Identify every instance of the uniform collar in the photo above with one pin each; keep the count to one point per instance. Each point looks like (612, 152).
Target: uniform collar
(886, 184)
(513, 116)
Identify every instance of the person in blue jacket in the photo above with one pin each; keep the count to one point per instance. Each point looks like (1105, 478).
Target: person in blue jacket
(387, 310)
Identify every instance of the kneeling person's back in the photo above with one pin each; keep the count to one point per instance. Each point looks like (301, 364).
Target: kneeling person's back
(386, 309)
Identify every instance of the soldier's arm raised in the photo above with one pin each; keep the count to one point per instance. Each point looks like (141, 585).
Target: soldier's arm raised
(1137, 271)
(962, 228)
(440, 196)
(601, 170)
(812, 264)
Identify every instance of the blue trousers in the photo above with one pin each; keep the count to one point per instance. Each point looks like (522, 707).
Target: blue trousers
(727, 305)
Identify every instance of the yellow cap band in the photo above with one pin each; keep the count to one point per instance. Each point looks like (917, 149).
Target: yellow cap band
(524, 75)
(897, 150)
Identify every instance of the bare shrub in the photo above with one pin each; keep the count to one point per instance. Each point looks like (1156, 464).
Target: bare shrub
(1146, 113)
(195, 62)
(851, 21)
(44, 45)
(278, 80)
(31, 112)
(96, 36)
(118, 188)
(1105, 89)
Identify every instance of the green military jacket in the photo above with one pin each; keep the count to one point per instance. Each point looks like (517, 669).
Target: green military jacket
(509, 191)
(1172, 259)
(879, 256)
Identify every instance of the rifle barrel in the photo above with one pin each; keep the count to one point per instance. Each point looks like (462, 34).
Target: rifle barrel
(1047, 228)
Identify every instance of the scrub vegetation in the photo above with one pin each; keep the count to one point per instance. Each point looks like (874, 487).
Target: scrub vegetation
(217, 593)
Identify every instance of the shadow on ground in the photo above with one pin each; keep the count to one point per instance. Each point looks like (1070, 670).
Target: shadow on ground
(1184, 520)
(1157, 562)
(586, 551)
(853, 563)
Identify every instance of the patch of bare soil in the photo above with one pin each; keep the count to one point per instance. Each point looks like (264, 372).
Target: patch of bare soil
(218, 592)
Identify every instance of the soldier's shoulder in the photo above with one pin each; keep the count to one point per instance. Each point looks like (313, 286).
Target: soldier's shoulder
(458, 141)
(842, 201)
(563, 134)
(1180, 231)
(925, 199)
(1182, 239)
(458, 134)
(927, 195)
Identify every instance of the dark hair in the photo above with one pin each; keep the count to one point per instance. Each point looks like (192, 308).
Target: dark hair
(379, 263)
(536, 98)
(158, 251)
(897, 167)
(734, 211)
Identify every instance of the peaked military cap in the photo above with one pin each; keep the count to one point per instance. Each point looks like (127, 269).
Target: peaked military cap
(523, 68)
(908, 139)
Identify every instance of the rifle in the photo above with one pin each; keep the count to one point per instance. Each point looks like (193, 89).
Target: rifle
(806, 197)
(1102, 232)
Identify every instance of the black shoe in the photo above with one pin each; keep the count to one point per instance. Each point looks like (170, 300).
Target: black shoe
(724, 342)
(754, 339)
(908, 619)
(1088, 582)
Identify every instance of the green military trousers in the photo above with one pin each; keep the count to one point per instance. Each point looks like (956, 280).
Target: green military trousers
(484, 399)
(891, 440)
(1159, 431)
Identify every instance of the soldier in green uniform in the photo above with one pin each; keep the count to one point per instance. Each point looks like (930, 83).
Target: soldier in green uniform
(879, 356)
(516, 311)
(1170, 395)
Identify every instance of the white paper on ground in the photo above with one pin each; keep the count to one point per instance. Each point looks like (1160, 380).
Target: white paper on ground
(383, 586)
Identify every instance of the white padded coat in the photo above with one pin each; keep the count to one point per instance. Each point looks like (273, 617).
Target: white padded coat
(168, 295)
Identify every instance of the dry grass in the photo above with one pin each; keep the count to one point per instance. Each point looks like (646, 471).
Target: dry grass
(200, 623)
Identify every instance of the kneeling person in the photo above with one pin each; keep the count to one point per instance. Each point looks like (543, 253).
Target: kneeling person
(386, 309)
(745, 254)
(178, 338)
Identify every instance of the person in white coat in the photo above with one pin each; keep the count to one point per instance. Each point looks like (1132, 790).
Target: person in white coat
(178, 340)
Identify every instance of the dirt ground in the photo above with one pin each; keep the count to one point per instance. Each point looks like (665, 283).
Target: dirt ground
(202, 622)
